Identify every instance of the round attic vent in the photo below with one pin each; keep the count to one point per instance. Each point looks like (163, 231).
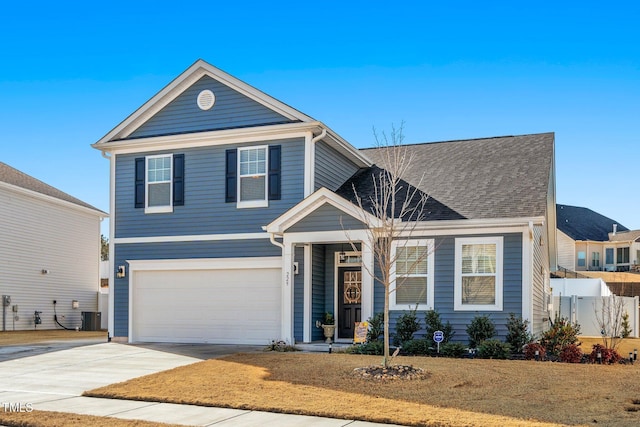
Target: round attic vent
(206, 99)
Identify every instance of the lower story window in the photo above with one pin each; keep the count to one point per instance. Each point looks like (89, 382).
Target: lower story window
(478, 273)
(412, 278)
(582, 259)
(595, 259)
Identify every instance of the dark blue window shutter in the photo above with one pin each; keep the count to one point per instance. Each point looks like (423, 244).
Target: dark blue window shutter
(178, 180)
(231, 182)
(139, 192)
(274, 172)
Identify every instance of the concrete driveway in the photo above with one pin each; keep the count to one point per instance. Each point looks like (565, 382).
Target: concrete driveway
(55, 381)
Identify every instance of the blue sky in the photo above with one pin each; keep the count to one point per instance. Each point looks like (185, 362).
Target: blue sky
(71, 71)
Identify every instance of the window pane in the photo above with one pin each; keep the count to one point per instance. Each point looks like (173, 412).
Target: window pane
(411, 290)
(252, 188)
(411, 260)
(479, 290)
(478, 259)
(609, 255)
(159, 194)
(159, 169)
(582, 259)
(253, 161)
(623, 255)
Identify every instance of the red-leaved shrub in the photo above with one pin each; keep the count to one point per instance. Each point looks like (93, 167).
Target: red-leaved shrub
(530, 351)
(571, 354)
(609, 355)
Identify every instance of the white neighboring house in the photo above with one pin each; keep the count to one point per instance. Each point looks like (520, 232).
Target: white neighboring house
(49, 250)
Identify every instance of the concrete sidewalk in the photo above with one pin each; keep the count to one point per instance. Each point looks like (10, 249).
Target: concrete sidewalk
(55, 382)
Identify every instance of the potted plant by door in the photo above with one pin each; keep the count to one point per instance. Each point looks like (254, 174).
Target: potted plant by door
(328, 326)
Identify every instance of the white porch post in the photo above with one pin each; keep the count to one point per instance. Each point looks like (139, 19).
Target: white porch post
(308, 269)
(367, 281)
(287, 293)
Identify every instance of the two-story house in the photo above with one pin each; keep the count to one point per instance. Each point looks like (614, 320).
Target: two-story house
(232, 213)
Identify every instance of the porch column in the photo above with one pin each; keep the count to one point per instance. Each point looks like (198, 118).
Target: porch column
(308, 270)
(287, 293)
(367, 281)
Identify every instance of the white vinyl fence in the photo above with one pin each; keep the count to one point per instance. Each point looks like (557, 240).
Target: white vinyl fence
(585, 310)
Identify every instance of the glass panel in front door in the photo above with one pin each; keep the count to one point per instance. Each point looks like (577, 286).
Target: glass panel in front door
(352, 287)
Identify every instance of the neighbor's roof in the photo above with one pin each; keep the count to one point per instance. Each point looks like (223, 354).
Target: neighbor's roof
(624, 236)
(14, 177)
(584, 224)
(501, 177)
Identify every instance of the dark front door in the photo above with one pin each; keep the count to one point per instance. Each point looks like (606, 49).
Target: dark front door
(349, 300)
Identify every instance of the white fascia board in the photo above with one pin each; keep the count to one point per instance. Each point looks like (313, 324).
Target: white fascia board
(478, 223)
(190, 238)
(343, 147)
(211, 138)
(54, 200)
(248, 263)
(192, 74)
(314, 201)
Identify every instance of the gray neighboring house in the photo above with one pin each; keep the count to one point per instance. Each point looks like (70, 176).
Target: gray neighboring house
(229, 210)
(49, 250)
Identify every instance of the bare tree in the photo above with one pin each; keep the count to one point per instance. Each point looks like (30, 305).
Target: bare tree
(610, 319)
(397, 206)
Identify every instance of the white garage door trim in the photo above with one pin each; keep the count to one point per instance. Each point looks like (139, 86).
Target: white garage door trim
(252, 263)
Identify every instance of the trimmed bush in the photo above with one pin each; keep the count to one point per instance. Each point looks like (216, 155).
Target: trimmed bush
(433, 323)
(453, 349)
(530, 351)
(408, 324)
(518, 333)
(571, 354)
(376, 327)
(417, 347)
(373, 347)
(481, 328)
(609, 355)
(494, 349)
(561, 334)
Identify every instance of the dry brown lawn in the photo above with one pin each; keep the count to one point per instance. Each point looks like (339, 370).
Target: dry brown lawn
(58, 419)
(43, 336)
(456, 392)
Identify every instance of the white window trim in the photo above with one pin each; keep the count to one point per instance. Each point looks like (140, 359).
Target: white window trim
(157, 209)
(429, 243)
(254, 203)
(499, 287)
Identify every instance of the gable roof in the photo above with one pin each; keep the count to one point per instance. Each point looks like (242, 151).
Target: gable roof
(181, 83)
(500, 177)
(584, 224)
(19, 179)
(625, 236)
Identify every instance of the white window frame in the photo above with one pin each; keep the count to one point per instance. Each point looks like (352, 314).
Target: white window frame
(429, 243)
(254, 203)
(499, 286)
(157, 209)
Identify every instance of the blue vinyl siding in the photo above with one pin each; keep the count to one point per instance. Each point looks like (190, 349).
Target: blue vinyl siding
(331, 168)
(317, 289)
(444, 286)
(231, 110)
(326, 218)
(205, 210)
(150, 251)
(298, 295)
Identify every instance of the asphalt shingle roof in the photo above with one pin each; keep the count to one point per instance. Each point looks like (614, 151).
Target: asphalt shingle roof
(501, 177)
(584, 224)
(13, 176)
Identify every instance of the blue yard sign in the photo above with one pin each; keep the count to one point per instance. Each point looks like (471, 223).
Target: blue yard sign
(438, 337)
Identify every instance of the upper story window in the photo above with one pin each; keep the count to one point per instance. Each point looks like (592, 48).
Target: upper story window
(412, 278)
(253, 175)
(595, 259)
(159, 182)
(608, 256)
(622, 255)
(582, 258)
(478, 274)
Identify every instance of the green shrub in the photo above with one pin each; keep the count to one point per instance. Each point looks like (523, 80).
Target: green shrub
(376, 327)
(453, 349)
(494, 349)
(530, 351)
(625, 325)
(609, 355)
(433, 323)
(571, 354)
(561, 334)
(481, 328)
(518, 333)
(373, 347)
(418, 347)
(408, 324)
